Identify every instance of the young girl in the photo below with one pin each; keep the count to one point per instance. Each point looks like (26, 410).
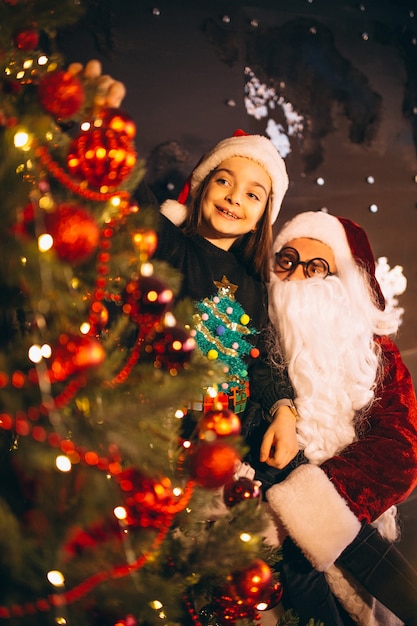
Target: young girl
(222, 252)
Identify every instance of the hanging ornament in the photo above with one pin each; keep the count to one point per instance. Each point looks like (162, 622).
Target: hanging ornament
(240, 490)
(218, 422)
(73, 354)
(145, 241)
(117, 120)
(275, 597)
(238, 598)
(227, 609)
(102, 157)
(147, 501)
(25, 222)
(26, 38)
(254, 582)
(145, 299)
(74, 231)
(171, 348)
(98, 316)
(212, 465)
(61, 93)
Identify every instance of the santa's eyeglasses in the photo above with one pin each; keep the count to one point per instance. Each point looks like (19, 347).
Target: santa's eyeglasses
(288, 259)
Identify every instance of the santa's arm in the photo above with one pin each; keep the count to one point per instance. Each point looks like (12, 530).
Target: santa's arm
(323, 507)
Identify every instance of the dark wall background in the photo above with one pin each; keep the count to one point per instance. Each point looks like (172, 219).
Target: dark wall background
(348, 68)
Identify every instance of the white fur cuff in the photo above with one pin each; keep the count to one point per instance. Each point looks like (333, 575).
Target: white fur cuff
(315, 515)
(174, 211)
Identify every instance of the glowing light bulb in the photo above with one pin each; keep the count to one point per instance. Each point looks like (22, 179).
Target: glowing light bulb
(56, 578)
(21, 140)
(156, 604)
(120, 512)
(35, 354)
(85, 328)
(45, 242)
(146, 269)
(63, 463)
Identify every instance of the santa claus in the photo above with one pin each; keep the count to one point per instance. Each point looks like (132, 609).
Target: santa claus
(357, 418)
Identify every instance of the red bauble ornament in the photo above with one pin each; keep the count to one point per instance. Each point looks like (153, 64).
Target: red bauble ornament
(212, 465)
(228, 609)
(146, 299)
(61, 93)
(254, 582)
(116, 119)
(26, 39)
(75, 232)
(98, 315)
(25, 222)
(171, 347)
(102, 157)
(218, 423)
(74, 354)
(275, 596)
(147, 500)
(145, 241)
(240, 490)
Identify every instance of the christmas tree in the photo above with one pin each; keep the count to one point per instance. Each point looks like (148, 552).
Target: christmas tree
(106, 510)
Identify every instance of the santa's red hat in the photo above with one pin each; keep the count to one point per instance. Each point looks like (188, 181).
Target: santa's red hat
(255, 147)
(346, 239)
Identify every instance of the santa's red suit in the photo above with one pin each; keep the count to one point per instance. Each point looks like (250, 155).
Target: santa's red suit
(323, 504)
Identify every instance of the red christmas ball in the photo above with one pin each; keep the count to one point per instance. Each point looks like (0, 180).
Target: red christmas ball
(102, 157)
(212, 465)
(145, 241)
(147, 501)
(228, 609)
(74, 231)
(117, 120)
(146, 299)
(74, 354)
(218, 423)
(98, 315)
(254, 582)
(274, 597)
(240, 490)
(25, 222)
(171, 347)
(26, 39)
(61, 93)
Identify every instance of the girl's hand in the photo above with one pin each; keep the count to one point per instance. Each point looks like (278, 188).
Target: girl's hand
(108, 91)
(280, 445)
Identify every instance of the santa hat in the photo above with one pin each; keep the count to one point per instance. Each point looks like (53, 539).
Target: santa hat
(255, 147)
(346, 239)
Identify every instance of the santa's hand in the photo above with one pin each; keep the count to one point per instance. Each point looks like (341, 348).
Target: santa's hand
(279, 444)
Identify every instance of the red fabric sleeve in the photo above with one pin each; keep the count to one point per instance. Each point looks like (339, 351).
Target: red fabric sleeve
(380, 468)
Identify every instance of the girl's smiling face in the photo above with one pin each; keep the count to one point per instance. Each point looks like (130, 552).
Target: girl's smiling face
(234, 201)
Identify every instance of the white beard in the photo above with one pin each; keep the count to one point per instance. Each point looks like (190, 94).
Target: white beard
(331, 357)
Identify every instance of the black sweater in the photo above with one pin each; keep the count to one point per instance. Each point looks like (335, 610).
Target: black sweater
(201, 264)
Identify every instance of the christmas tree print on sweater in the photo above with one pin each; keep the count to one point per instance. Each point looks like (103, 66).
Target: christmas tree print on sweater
(221, 332)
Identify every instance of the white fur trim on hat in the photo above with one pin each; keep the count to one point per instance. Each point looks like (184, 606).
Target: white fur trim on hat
(316, 225)
(255, 147)
(174, 211)
(316, 517)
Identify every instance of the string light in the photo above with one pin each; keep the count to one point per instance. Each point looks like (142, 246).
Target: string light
(56, 578)
(45, 242)
(63, 463)
(22, 140)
